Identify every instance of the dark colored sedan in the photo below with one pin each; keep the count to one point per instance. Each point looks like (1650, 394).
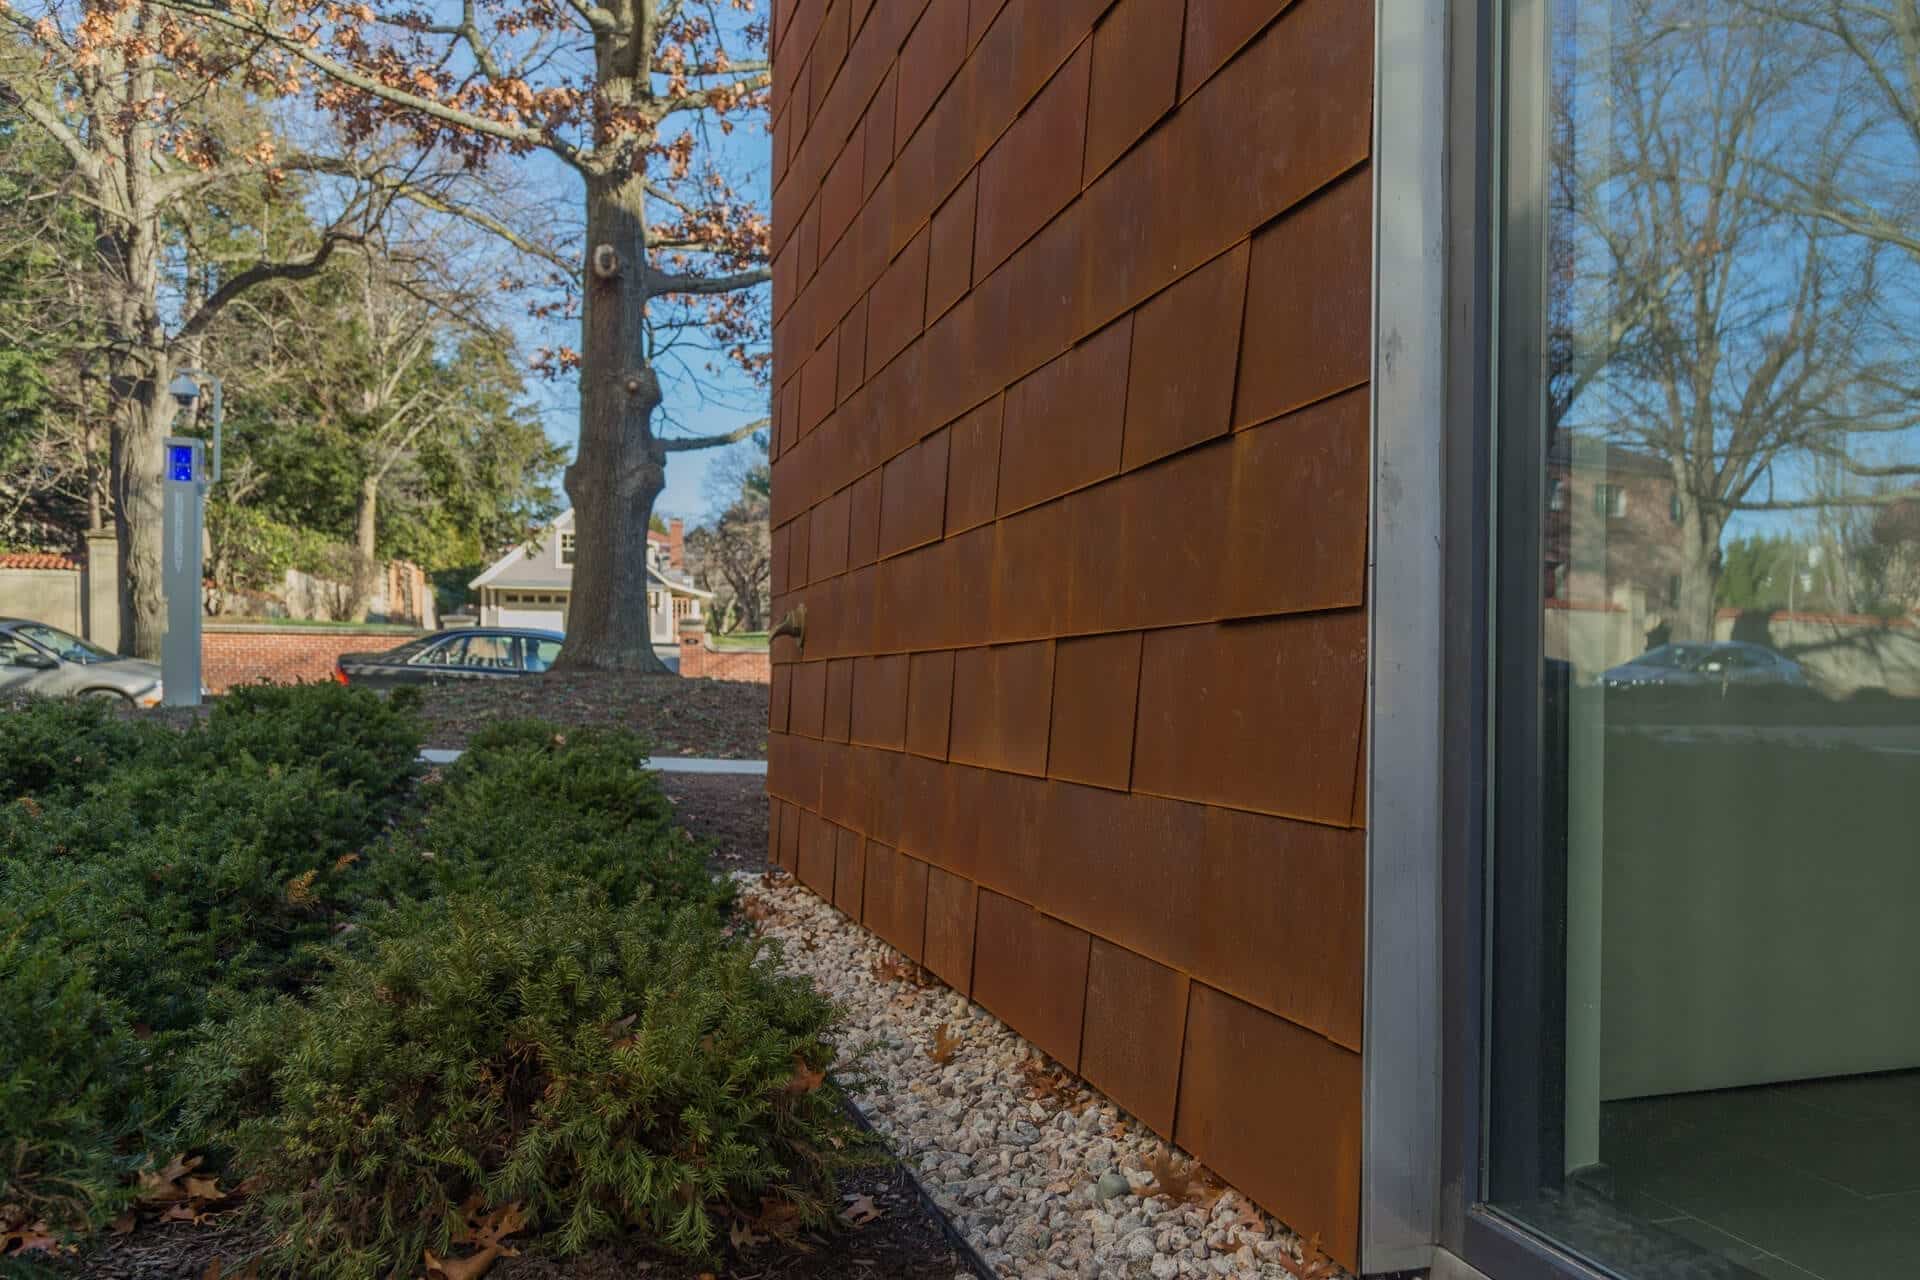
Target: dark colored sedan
(477, 653)
(1721, 668)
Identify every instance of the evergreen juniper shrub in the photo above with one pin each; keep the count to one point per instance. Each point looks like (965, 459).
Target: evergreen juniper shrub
(550, 1049)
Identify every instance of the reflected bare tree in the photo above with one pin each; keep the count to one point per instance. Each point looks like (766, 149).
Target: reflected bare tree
(1706, 309)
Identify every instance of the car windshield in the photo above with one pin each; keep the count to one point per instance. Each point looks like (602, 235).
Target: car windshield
(541, 652)
(1683, 657)
(61, 645)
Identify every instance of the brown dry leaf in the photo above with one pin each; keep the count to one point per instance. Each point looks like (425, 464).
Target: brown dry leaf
(214, 1269)
(777, 1217)
(744, 1237)
(164, 1187)
(469, 1267)
(22, 1238)
(345, 860)
(1170, 1180)
(805, 1079)
(1048, 1081)
(1248, 1217)
(945, 1045)
(123, 1224)
(860, 1211)
(203, 1188)
(1313, 1264)
(300, 888)
(900, 969)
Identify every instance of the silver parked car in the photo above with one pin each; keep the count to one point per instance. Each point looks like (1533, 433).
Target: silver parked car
(36, 658)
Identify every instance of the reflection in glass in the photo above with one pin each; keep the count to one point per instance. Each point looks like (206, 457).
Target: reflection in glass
(1728, 434)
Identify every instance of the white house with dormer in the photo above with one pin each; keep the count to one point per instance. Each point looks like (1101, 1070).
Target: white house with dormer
(532, 584)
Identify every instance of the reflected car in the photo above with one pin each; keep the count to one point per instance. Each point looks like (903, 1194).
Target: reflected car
(469, 653)
(40, 659)
(1721, 667)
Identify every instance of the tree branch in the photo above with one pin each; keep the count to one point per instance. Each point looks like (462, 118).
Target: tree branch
(684, 444)
(712, 95)
(259, 273)
(347, 75)
(659, 282)
(53, 125)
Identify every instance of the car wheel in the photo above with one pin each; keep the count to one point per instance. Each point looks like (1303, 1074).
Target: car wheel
(113, 695)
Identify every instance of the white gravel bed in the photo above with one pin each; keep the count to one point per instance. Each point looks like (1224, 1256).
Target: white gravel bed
(1044, 1175)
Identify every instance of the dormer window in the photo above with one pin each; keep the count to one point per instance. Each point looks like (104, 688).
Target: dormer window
(566, 547)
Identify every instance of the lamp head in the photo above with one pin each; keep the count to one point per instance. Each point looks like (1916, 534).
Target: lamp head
(185, 391)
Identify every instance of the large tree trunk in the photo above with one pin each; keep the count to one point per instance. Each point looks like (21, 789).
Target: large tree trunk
(1693, 617)
(142, 410)
(365, 567)
(619, 469)
(145, 413)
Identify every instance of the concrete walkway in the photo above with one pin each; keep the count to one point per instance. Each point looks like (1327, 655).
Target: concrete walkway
(664, 764)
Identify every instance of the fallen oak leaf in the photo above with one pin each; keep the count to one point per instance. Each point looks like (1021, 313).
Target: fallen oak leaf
(860, 1211)
(1169, 1179)
(470, 1267)
(1314, 1264)
(123, 1224)
(945, 1045)
(805, 1080)
(743, 1237)
(37, 1238)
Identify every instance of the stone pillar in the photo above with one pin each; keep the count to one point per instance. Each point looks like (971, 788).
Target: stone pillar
(100, 590)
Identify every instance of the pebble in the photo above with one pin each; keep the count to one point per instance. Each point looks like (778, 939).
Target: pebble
(1042, 1179)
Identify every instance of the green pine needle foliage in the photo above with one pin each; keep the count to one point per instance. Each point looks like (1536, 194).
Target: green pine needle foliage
(47, 746)
(551, 1049)
(528, 797)
(270, 940)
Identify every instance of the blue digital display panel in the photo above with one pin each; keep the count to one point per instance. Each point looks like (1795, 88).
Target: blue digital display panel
(180, 462)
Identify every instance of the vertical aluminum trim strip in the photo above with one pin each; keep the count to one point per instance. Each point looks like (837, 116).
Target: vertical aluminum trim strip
(1401, 1046)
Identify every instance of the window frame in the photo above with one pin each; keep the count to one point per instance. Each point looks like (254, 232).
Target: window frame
(1438, 157)
(564, 549)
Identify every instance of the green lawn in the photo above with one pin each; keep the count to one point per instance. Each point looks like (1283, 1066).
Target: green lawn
(741, 640)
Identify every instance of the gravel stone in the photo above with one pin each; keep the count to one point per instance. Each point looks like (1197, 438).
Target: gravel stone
(1043, 1175)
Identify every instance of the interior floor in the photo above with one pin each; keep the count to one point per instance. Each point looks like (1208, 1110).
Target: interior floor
(1814, 1179)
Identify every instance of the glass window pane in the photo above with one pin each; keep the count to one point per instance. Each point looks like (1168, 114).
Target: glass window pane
(1703, 1038)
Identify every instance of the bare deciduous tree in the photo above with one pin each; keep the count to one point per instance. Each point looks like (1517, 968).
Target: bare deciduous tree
(1702, 313)
(630, 98)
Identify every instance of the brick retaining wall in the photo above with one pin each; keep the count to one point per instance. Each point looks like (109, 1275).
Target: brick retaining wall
(697, 660)
(231, 655)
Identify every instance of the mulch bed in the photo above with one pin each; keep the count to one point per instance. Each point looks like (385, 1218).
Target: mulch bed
(723, 719)
(726, 719)
(906, 1240)
(729, 809)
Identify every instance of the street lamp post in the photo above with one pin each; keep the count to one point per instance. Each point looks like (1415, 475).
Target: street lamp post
(186, 475)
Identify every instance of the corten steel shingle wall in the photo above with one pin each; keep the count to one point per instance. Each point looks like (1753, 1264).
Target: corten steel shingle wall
(1071, 457)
